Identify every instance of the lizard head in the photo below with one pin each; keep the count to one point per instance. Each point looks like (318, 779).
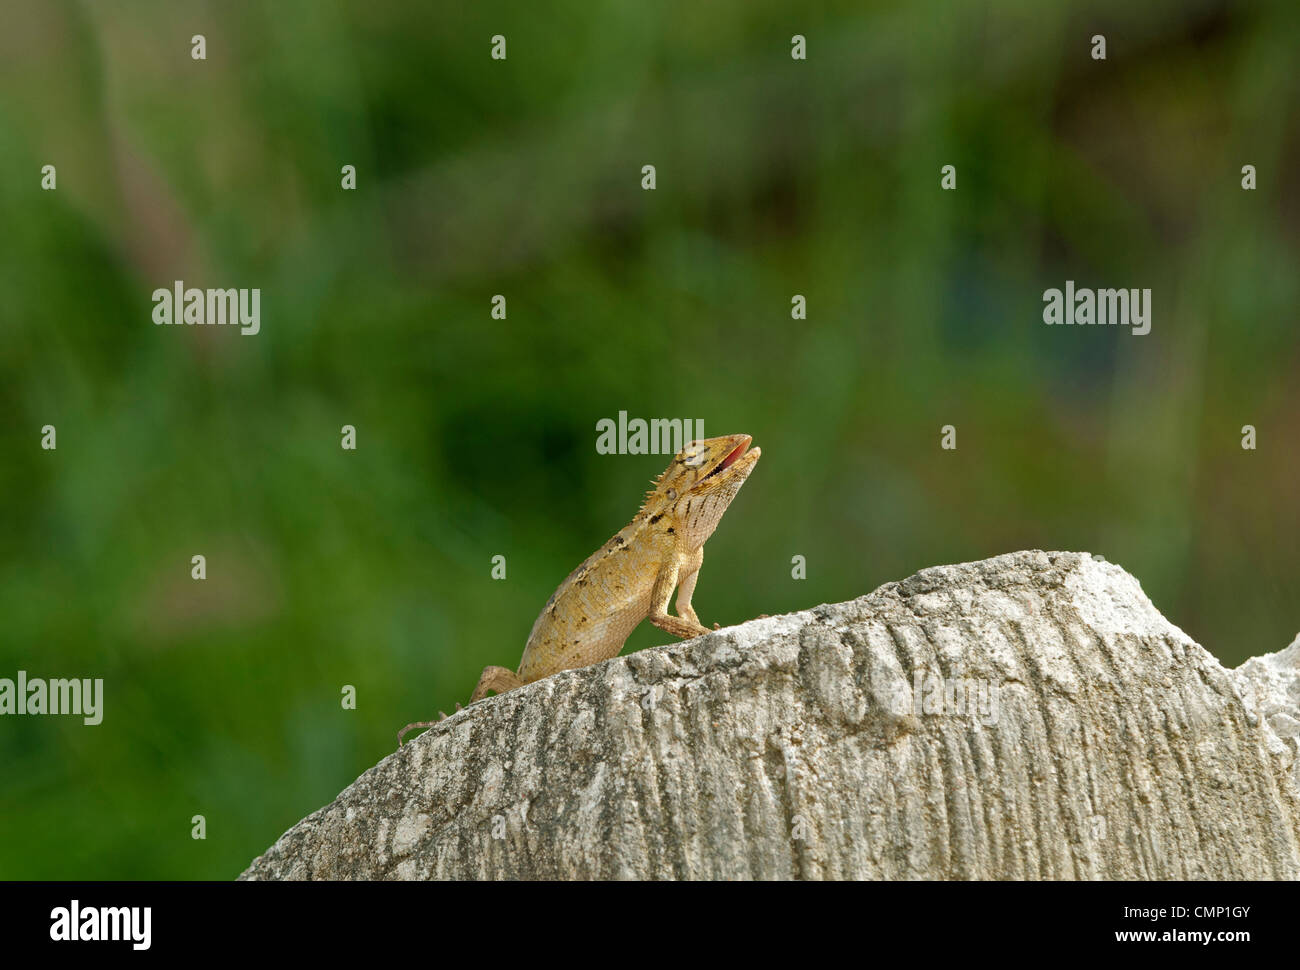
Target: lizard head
(693, 492)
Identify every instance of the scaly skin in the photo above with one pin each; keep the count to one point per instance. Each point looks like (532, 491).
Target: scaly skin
(632, 576)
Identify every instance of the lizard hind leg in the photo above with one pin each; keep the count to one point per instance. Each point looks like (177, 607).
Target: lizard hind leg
(497, 679)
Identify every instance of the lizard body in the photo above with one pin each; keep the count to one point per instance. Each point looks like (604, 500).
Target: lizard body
(632, 576)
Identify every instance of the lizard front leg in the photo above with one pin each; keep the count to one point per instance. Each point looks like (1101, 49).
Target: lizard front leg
(686, 587)
(687, 625)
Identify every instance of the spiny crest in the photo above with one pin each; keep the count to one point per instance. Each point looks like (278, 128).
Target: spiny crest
(654, 487)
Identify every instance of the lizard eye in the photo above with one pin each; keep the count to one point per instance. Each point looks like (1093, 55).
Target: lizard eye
(672, 493)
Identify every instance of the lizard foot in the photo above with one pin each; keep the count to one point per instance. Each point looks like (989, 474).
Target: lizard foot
(497, 679)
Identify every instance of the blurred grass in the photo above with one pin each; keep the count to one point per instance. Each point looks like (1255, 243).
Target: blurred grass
(476, 437)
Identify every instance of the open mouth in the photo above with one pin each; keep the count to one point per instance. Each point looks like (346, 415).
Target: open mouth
(732, 457)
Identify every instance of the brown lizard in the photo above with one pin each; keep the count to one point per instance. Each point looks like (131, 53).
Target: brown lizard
(632, 576)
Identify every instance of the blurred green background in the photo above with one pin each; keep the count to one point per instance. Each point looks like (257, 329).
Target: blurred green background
(477, 436)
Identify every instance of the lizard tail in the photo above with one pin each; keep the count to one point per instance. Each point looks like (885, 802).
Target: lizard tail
(416, 725)
(497, 679)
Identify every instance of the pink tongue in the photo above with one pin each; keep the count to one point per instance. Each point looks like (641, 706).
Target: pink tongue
(731, 458)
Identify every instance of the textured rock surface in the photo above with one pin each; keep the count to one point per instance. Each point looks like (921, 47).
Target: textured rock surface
(1103, 743)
